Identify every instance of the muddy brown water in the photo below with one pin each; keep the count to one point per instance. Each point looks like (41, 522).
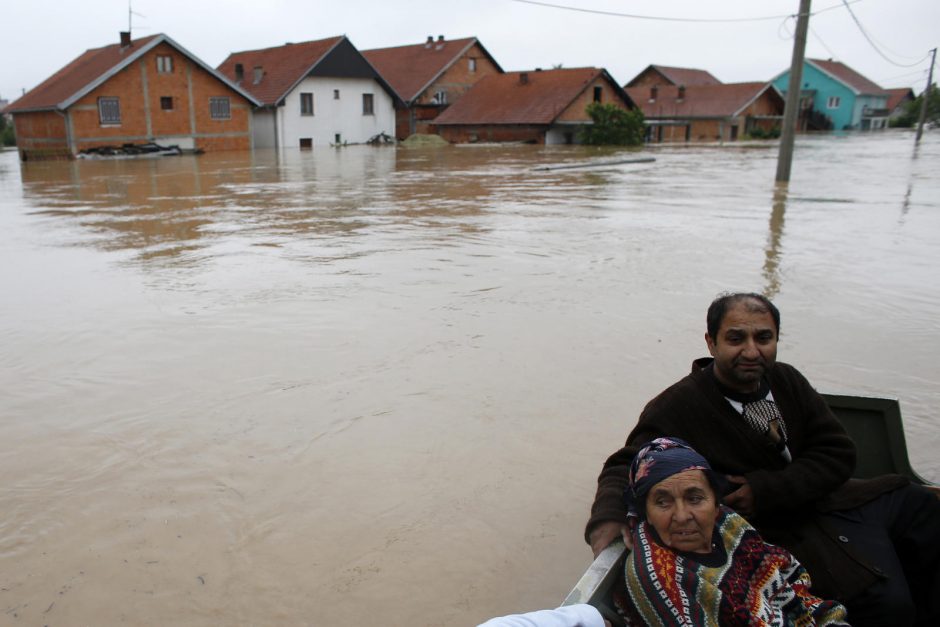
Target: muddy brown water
(375, 385)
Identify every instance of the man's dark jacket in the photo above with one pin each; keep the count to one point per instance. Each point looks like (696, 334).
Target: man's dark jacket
(788, 498)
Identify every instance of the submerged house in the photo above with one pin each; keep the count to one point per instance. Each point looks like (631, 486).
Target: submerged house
(848, 100)
(313, 93)
(721, 112)
(666, 75)
(543, 107)
(149, 89)
(898, 100)
(431, 76)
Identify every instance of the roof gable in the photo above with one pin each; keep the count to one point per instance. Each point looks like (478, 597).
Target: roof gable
(536, 97)
(700, 101)
(679, 75)
(93, 68)
(898, 96)
(848, 77)
(411, 69)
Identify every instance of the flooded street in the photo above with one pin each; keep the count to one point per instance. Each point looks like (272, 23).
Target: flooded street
(376, 385)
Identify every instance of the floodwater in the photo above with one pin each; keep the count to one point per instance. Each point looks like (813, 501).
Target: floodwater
(375, 385)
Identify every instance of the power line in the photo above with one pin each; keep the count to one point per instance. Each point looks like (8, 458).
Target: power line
(875, 47)
(832, 55)
(670, 19)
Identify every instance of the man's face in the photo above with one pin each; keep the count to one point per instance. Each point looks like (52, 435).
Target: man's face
(746, 347)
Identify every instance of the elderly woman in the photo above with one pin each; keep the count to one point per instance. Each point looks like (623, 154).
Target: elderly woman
(697, 562)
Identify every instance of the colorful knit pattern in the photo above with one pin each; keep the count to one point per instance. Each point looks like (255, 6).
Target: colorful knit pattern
(759, 585)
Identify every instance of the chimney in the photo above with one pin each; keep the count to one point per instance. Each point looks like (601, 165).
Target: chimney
(440, 38)
(239, 72)
(681, 95)
(125, 38)
(654, 91)
(429, 42)
(440, 42)
(523, 78)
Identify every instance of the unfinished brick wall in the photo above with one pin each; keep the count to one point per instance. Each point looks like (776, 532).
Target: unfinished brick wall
(460, 134)
(576, 111)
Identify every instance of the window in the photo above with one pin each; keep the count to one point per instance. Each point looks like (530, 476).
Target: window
(220, 108)
(440, 97)
(109, 110)
(166, 103)
(335, 94)
(367, 104)
(258, 74)
(239, 72)
(164, 64)
(598, 92)
(472, 64)
(834, 102)
(339, 139)
(306, 142)
(306, 103)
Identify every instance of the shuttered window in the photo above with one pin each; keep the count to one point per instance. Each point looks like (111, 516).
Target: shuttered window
(220, 108)
(109, 110)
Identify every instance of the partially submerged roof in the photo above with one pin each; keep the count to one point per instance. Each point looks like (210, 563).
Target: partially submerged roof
(680, 75)
(411, 69)
(535, 97)
(897, 96)
(94, 67)
(700, 101)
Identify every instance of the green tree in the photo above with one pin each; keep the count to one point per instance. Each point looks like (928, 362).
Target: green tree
(6, 132)
(613, 126)
(912, 110)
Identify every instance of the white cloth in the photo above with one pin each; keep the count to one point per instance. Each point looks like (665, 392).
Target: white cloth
(580, 615)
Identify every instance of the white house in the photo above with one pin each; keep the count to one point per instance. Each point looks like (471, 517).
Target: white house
(314, 93)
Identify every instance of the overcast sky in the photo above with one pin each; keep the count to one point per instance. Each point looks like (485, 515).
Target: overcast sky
(38, 38)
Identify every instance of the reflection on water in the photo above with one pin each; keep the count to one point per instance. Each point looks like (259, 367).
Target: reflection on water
(330, 386)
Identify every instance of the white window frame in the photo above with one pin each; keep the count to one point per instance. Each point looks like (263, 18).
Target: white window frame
(472, 65)
(164, 64)
(109, 111)
(220, 108)
(833, 102)
(306, 98)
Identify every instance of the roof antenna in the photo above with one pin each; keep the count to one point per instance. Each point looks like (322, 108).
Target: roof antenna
(130, 14)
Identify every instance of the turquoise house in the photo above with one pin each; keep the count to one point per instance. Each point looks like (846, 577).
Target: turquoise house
(834, 91)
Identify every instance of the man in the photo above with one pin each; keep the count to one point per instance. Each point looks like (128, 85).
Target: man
(872, 544)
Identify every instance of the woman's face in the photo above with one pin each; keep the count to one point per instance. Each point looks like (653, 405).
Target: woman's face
(683, 510)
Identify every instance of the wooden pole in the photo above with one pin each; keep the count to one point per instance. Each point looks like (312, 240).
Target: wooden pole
(923, 105)
(791, 110)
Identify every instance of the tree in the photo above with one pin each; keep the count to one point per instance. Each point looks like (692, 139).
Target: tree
(6, 132)
(912, 110)
(613, 126)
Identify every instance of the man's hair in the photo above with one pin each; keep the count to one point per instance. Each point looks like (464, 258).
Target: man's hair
(757, 303)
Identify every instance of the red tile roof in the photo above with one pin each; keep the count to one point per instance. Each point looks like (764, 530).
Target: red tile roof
(897, 96)
(91, 69)
(410, 69)
(848, 76)
(506, 99)
(682, 75)
(283, 67)
(700, 101)
(71, 79)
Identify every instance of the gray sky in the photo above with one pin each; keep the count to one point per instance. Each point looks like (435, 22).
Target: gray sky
(41, 37)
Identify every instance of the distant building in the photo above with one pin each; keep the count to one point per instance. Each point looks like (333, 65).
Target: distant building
(431, 76)
(846, 98)
(544, 107)
(721, 112)
(146, 90)
(666, 75)
(897, 101)
(314, 93)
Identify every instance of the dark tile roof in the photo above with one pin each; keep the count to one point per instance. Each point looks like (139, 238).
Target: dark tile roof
(410, 69)
(700, 101)
(682, 75)
(283, 67)
(506, 99)
(92, 68)
(848, 76)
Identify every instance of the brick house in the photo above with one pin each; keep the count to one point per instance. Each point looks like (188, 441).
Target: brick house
(146, 90)
(722, 112)
(431, 76)
(666, 75)
(313, 93)
(542, 107)
(897, 101)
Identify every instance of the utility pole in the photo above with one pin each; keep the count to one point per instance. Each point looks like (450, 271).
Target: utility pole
(791, 110)
(923, 105)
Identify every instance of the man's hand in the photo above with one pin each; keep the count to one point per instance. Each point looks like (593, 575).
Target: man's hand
(742, 499)
(607, 532)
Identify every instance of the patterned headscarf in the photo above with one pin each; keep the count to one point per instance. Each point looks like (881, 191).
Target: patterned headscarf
(658, 460)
